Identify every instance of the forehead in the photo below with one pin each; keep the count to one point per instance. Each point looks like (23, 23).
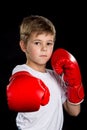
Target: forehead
(42, 35)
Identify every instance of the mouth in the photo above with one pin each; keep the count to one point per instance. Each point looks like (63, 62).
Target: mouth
(43, 55)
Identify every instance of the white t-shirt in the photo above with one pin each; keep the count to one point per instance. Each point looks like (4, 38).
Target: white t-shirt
(50, 116)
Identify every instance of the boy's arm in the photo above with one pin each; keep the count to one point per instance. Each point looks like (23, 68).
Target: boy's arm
(71, 109)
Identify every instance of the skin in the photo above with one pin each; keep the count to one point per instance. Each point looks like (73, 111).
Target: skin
(38, 51)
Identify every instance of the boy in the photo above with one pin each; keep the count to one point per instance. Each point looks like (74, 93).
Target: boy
(39, 94)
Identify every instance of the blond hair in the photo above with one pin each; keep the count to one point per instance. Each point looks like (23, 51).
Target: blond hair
(37, 24)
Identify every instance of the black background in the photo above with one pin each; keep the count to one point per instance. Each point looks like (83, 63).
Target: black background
(70, 22)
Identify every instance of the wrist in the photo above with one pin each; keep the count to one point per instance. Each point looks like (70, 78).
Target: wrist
(72, 103)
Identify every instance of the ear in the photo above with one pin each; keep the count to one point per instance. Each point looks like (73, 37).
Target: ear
(22, 45)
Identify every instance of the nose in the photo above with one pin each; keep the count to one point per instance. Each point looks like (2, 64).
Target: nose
(44, 47)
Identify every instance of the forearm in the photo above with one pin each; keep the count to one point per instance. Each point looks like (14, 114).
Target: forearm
(72, 109)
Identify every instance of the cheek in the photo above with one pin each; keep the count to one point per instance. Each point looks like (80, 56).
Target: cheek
(50, 51)
(33, 51)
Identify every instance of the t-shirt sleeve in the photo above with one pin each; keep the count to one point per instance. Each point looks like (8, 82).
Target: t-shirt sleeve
(63, 96)
(62, 88)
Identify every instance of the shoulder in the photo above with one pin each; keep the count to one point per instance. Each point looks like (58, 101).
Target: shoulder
(52, 72)
(57, 76)
(18, 68)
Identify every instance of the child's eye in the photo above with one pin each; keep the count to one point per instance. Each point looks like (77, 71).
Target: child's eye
(37, 43)
(49, 43)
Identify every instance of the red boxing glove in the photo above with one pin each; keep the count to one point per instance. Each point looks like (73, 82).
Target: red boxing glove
(26, 93)
(66, 65)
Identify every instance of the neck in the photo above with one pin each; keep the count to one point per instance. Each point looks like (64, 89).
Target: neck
(40, 68)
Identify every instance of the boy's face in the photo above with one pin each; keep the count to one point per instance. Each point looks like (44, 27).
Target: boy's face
(39, 48)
